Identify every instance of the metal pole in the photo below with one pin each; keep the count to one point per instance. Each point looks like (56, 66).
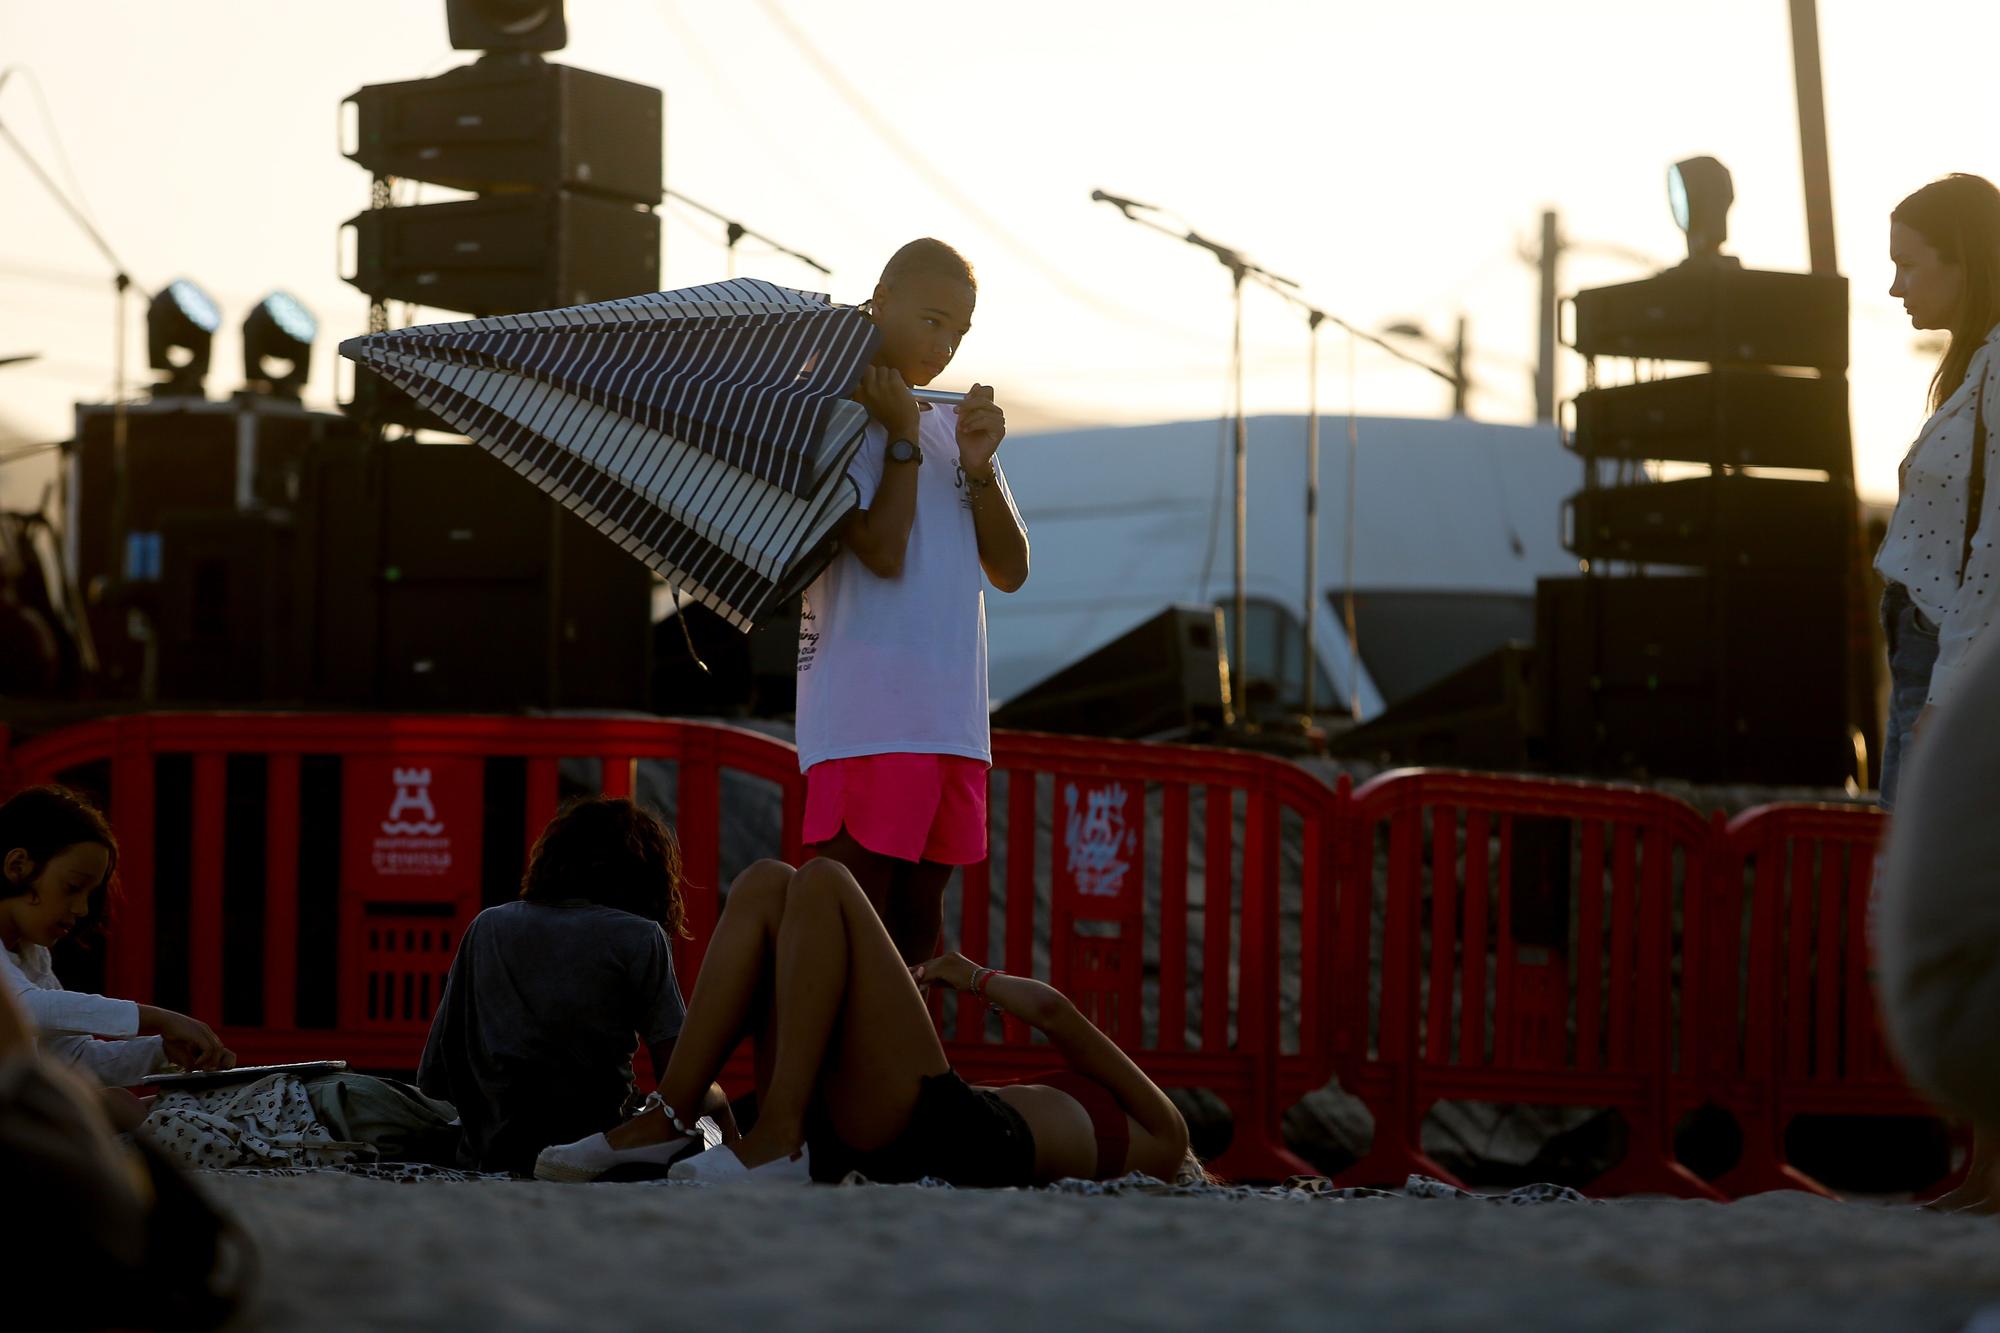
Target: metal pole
(1545, 341)
(119, 491)
(1812, 134)
(1311, 603)
(1347, 558)
(1238, 656)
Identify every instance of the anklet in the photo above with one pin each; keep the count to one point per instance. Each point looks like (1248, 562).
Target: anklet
(654, 1099)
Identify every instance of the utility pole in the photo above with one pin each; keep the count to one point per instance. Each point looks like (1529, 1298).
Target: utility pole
(1812, 134)
(1458, 380)
(1545, 339)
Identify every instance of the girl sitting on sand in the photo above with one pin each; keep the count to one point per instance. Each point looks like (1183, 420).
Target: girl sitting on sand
(549, 995)
(57, 857)
(849, 1066)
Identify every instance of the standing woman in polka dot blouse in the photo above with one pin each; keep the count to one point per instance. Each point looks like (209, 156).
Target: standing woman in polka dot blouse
(1940, 560)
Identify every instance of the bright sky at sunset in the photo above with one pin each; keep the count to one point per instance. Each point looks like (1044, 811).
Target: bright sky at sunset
(1392, 157)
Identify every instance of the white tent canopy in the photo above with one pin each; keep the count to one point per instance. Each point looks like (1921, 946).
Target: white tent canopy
(1125, 521)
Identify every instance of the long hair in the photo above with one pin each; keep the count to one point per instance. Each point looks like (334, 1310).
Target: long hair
(609, 851)
(1959, 215)
(47, 821)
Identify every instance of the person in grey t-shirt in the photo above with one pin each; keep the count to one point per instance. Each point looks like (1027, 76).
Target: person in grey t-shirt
(548, 995)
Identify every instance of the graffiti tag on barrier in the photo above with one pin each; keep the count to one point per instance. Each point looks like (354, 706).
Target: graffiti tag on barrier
(1099, 839)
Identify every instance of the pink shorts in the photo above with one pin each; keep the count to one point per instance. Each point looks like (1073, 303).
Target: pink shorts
(914, 807)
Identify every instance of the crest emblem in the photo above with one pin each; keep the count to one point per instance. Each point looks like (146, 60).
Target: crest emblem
(413, 793)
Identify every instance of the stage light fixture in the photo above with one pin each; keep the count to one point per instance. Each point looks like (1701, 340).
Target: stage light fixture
(279, 329)
(180, 328)
(506, 25)
(1700, 191)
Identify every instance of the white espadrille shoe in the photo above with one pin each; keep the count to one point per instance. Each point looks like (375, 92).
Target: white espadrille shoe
(594, 1158)
(721, 1166)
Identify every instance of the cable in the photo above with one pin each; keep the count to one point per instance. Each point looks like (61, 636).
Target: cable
(747, 112)
(893, 138)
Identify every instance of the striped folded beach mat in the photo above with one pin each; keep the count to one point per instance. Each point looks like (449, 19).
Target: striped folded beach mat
(706, 430)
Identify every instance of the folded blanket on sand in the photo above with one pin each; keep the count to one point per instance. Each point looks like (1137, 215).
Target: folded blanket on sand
(280, 1121)
(266, 1123)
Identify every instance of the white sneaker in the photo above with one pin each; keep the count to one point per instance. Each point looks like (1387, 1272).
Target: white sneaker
(721, 1166)
(591, 1158)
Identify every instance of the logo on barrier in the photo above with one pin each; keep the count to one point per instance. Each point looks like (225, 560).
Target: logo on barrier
(413, 792)
(1098, 838)
(412, 846)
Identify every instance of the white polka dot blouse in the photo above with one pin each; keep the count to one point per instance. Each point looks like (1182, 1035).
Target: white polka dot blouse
(1926, 540)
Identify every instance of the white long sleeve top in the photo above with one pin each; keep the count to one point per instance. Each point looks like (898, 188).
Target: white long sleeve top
(1926, 539)
(68, 1024)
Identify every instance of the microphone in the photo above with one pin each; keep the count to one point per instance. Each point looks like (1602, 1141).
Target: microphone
(1120, 203)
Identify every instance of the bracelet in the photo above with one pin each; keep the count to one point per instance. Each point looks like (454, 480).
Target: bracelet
(979, 980)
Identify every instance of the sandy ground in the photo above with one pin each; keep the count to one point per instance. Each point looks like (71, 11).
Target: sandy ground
(343, 1253)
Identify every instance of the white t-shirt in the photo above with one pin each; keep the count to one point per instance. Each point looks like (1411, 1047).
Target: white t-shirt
(898, 666)
(68, 1023)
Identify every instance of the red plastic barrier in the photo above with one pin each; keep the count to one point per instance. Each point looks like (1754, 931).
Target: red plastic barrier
(1503, 980)
(1790, 1023)
(413, 820)
(1527, 934)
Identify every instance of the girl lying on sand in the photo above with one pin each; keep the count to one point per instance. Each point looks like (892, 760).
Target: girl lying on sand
(850, 1073)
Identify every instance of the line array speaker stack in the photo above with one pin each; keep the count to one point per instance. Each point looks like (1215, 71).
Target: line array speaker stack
(565, 167)
(1719, 651)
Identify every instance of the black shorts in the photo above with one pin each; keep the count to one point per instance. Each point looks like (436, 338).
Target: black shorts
(957, 1133)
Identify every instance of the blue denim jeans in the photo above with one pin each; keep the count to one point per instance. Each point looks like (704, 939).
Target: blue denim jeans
(1913, 650)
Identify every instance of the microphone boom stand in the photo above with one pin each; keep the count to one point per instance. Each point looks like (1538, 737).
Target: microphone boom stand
(121, 284)
(735, 231)
(1240, 269)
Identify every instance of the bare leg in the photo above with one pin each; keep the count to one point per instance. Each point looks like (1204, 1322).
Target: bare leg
(851, 1027)
(735, 973)
(916, 910)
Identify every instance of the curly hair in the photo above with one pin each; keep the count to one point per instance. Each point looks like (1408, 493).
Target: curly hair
(609, 851)
(47, 821)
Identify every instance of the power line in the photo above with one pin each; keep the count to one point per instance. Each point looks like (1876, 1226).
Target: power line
(886, 131)
(746, 110)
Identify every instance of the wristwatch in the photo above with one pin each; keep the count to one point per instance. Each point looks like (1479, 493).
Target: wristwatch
(903, 451)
